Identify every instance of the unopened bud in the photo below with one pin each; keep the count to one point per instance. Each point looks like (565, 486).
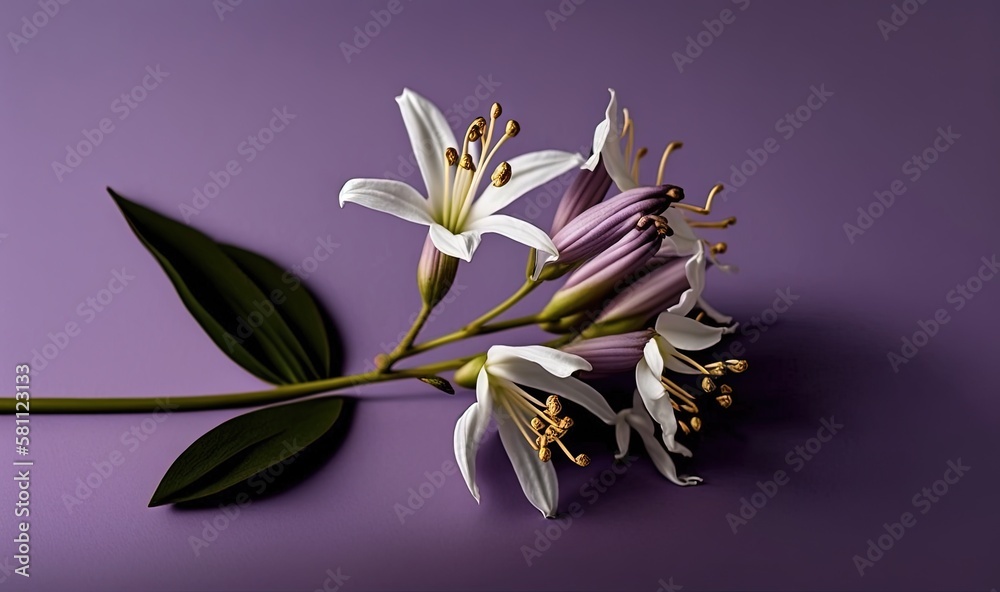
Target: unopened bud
(587, 190)
(468, 374)
(435, 273)
(611, 354)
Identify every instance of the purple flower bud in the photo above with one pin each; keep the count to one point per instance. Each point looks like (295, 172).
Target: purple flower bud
(645, 298)
(604, 224)
(611, 354)
(435, 273)
(590, 283)
(587, 190)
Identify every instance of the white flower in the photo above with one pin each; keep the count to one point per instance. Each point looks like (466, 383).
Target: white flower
(660, 395)
(637, 418)
(452, 174)
(528, 428)
(694, 270)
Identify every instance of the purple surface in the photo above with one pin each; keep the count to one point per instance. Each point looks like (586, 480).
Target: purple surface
(826, 356)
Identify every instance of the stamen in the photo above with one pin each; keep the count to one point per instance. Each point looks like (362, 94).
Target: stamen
(737, 366)
(684, 427)
(517, 422)
(513, 128)
(661, 224)
(466, 163)
(553, 405)
(700, 316)
(580, 459)
(690, 362)
(544, 454)
(630, 129)
(708, 203)
(495, 111)
(724, 400)
(635, 164)
(720, 224)
(450, 160)
(451, 156)
(726, 389)
(476, 129)
(663, 160)
(696, 423)
(707, 385)
(502, 174)
(544, 416)
(719, 248)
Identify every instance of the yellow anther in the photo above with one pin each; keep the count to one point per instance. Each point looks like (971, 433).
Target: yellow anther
(582, 460)
(737, 366)
(719, 248)
(724, 400)
(544, 454)
(726, 389)
(696, 423)
(537, 424)
(513, 128)
(495, 111)
(707, 385)
(451, 156)
(466, 163)
(502, 174)
(553, 405)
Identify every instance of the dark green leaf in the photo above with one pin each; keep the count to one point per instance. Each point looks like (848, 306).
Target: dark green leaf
(244, 446)
(439, 383)
(236, 296)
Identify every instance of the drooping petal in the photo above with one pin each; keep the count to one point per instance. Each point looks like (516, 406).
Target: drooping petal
(611, 148)
(623, 432)
(462, 245)
(469, 432)
(391, 197)
(555, 362)
(528, 171)
(661, 460)
(683, 239)
(430, 135)
(518, 231)
(714, 314)
(537, 478)
(532, 376)
(657, 403)
(687, 334)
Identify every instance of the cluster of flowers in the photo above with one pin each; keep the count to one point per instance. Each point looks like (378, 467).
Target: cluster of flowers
(632, 300)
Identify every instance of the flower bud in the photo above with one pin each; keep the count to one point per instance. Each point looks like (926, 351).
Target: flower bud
(468, 374)
(435, 273)
(604, 224)
(645, 298)
(611, 354)
(586, 191)
(590, 284)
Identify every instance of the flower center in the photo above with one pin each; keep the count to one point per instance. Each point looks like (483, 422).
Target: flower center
(683, 399)
(462, 174)
(540, 425)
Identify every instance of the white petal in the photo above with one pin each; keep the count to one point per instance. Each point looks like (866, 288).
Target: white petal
(687, 334)
(469, 432)
(661, 460)
(654, 356)
(623, 432)
(675, 365)
(462, 246)
(657, 403)
(611, 148)
(532, 376)
(519, 231)
(554, 361)
(694, 271)
(430, 135)
(714, 314)
(528, 171)
(537, 478)
(386, 195)
(683, 239)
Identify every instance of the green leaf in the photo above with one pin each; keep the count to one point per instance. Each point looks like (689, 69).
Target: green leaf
(245, 446)
(263, 319)
(439, 383)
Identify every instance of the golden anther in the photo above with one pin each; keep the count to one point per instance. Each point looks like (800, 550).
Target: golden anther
(553, 433)
(565, 423)
(451, 156)
(719, 248)
(495, 111)
(726, 389)
(707, 385)
(552, 405)
(674, 192)
(466, 163)
(475, 131)
(513, 128)
(684, 427)
(724, 400)
(537, 424)
(544, 454)
(696, 423)
(689, 408)
(502, 174)
(582, 460)
(700, 316)
(674, 405)
(661, 224)
(737, 366)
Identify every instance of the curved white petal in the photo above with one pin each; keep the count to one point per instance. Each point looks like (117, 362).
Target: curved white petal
(462, 246)
(571, 388)
(657, 403)
(554, 361)
(391, 197)
(687, 334)
(683, 239)
(661, 460)
(654, 356)
(675, 365)
(537, 478)
(623, 432)
(694, 272)
(611, 147)
(714, 314)
(518, 231)
(430, 135)
(469, 432)
(528, 171)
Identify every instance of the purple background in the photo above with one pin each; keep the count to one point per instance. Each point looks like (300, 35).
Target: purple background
(826, 356)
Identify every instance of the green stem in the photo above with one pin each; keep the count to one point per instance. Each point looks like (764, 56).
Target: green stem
(385, 363)
(501, 308)
(466, 333)
(247, 399)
